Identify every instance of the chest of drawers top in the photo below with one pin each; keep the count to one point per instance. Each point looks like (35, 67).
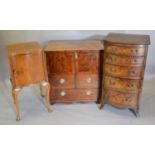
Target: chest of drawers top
(23, 48)
(131, 39)
(74, 45)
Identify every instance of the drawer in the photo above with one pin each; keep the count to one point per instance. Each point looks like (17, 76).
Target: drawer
(124, 60)
(124, 72)
(73, 95)
(87, 81)
(122, 84)
(128, 51)
(60, 81)
(120, 99)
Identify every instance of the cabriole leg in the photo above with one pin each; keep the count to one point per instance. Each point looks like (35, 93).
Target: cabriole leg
(47, 85)
(15, 93)
(41, 91)
(135, 111)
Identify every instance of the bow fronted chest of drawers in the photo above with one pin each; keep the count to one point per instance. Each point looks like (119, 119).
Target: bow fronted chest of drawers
(73, 69)
(123, 70)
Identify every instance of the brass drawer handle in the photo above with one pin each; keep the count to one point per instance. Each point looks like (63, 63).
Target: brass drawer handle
(62, 81)
(114, 49)
(113, 69)
(89, 80)
(88, 93)
(15, 71)
(63, 93)
(76, 55)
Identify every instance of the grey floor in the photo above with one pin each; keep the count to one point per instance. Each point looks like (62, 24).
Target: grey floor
(33, 110)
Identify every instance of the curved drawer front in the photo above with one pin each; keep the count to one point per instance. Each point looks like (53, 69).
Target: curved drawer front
(122, 84)
(121, 99)
(124, 61)
(124, 72)
(128, 51)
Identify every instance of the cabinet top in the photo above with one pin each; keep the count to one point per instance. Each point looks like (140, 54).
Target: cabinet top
(128, 39)
(74, 45)
(20, 48)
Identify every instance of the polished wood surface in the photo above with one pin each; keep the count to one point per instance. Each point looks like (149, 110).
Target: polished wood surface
(22, 70)
(74, 45)
(123, 70)
(60, 63)
(74, 95)
(27, 67)
(122, 84)
(62, 81)
(23, 48)
(125, 50)
(133, 39)
(121, 99)
(73, 70)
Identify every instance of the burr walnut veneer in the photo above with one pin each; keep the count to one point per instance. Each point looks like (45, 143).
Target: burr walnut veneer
(73, 69)
(27, 67)
(123, 70)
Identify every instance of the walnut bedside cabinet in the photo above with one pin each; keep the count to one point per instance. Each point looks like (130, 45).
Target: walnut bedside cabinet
(27, 67)
(123, 70)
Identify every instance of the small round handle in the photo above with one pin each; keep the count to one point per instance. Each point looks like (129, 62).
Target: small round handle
(88, 92)
(63, 93)
(89, 80)
(62, 81)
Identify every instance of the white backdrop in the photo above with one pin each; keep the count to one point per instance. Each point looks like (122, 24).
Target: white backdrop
(42, 36)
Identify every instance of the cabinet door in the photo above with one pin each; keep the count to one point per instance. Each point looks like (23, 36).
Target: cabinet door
(60, 63)
(87, 69)
(87, 62)
(27, 68)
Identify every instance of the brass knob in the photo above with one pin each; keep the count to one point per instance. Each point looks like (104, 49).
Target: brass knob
(89, 80)
(114, 49)
(88, 92)
(62, 81)
(63, 93)
(113, 69)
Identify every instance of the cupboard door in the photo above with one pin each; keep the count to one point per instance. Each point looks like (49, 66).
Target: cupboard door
(60, 63)
(87, 62)
(27, 68)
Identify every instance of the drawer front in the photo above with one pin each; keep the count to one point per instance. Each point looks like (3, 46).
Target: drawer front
(124, 72)
(128, 51)
(124, 60)
(122, 84)
(121, 99)
(62, 81)
(73, 95)
(87, 81)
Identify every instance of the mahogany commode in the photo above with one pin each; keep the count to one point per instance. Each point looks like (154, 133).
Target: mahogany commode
(73, 69)
(123, 70)
(27, 67)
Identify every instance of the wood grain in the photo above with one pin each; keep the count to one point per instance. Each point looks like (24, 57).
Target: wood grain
(123, 70)
(27, 67)
(74, 45)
